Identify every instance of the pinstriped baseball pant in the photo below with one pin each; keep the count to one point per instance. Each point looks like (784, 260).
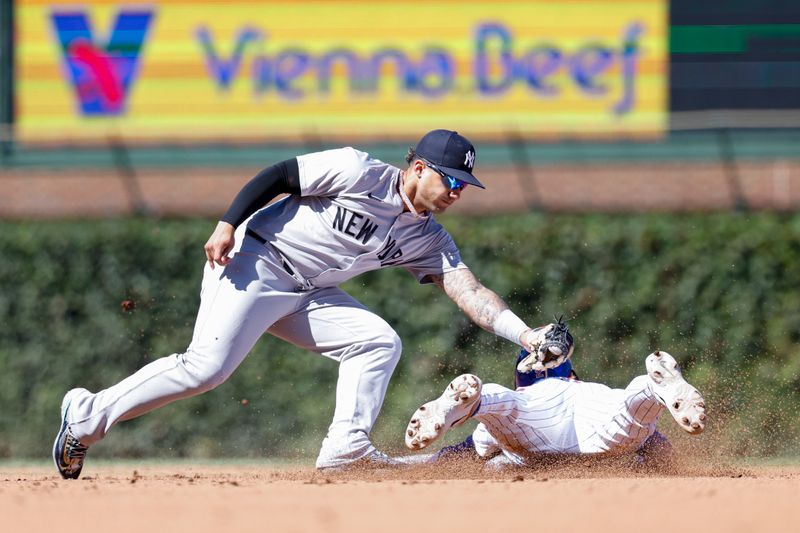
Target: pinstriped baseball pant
(561, 416)
(238, 304)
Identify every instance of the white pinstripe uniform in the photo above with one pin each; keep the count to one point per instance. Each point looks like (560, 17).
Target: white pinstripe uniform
(348, 219)
(556, 415)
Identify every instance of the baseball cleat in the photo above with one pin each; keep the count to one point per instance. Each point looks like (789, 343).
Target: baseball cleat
(373, 460)
(377, 459)
(685, 403)
(459, 401)
(68, 452)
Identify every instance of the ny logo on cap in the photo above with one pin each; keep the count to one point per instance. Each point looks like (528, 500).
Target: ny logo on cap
(470, 159)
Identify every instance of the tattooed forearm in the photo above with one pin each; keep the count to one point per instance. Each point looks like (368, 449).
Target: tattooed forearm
(476, 301)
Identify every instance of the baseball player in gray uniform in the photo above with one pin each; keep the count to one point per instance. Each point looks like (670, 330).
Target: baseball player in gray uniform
(561, 414)
(276, 269)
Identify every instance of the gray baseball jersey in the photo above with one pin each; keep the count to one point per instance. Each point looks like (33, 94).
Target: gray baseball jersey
(349, 219)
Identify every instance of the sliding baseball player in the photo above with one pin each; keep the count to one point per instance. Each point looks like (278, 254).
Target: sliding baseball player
(560, 414)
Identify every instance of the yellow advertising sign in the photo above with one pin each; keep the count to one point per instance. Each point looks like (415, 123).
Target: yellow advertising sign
(275, 70)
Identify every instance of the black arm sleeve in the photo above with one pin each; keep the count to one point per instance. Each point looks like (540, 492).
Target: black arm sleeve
(283, 177)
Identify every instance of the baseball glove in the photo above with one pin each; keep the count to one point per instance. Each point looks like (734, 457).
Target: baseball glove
(552, 345)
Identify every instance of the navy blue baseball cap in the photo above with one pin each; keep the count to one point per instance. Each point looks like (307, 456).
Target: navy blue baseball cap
(451, 152)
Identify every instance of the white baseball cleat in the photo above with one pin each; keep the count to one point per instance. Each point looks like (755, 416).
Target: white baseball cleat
(457, 403)
(372, 461)
(685, 403)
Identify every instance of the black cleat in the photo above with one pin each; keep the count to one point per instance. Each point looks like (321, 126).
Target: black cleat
(68, 452)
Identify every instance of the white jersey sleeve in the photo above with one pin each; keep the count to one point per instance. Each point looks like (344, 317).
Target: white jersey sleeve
(330, 173)
(440, 257)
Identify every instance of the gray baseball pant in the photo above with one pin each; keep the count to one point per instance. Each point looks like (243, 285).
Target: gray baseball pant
(239, 302)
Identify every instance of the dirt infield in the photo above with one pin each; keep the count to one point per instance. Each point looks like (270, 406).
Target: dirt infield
(581, 496)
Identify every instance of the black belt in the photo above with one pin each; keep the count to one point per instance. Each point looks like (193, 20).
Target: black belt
(256, 236)
(263, 241)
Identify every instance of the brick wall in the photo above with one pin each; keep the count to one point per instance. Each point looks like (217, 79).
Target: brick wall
(672, 186)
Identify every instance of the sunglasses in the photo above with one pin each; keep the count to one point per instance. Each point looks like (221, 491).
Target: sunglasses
(454, 184)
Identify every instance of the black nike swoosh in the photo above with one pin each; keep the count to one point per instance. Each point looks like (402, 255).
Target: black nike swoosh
(374, 197)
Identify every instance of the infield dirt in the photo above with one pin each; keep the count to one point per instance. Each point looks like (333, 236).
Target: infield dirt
(570, 496)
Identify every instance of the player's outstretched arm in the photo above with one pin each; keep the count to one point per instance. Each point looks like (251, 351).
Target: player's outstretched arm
(483, 306)
(220, 244)
(548, 346)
